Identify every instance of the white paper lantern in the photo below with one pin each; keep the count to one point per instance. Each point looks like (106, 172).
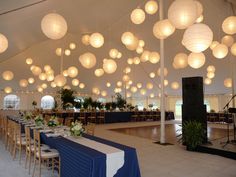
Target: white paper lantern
(152, 95)
(23, 83)
(163, 29)
(53, 84)
(166, 82)
(183, 13)
(128, 94)
(139, 50)
(130, 61)
(47, 68)
(137, 16)
(151, 7)
(119, 84)
(31, 80)
(99, 72)
(149, 85)
(127, 38)
(72, 71)
(67, 52)
(228, 82)
(96, 40)
(130, 82)
(54, 26)
(229, 25)
(165, 72)
(141, 43)
(3, 43)
(145, 56)
(44, 85)
(211, 68)
(113, 53)
(40, 89)
(108, 84)
(220, 51)
(210, 75)
(154, 57)
(29, 61)
(104, 93)
(143, 92)
(136, 60)
(181, 60)
(109, 66)
(58, 51)
(175, 85)
(67, 87)
(196, 60)
(72, 46)
(139, 85)
(152, 75)
(42, 76)
(50, 77)
(214, 44)
(65, 73)
(85, 39)
(133, 46)
(88, 60)
(207, 81)
(197, 38)
(233, 49)
(60, 80)
(127, 70)
(119, 55)
(96, 90)
(7, 89)
(227, 40)
(36, 70)
(75, 82)
(133, 89)
(82, 85)
(200, 19)
(125, 78)
(7, 75)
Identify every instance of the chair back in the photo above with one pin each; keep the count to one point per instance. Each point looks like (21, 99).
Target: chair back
(90, 128)
(37, 143)
(28, 138)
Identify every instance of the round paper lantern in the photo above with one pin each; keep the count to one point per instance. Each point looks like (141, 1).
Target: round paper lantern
(117, 90)
(113, 53)
(207, 81)
(104, 93)
(136, 60)
(3, 43)
(143, 92)
(60, 80)
(139, 50)
(133, 45)
(181, 60)
(58, 51)
(139, 85)
(32, 67)
(67, 52)
(72, 71)
(119, 55)
(233, 49)
(119, 84)
(145, 56)
(130, 61)
(133, 89)
(36, 70)
(96, 90)
(127, 70)
(141, 43)
(99, 72)
(85, 39)
(108, 84)
(88, 60)
(50, 77)
(130, 82)
(44, 86)
(151, 7)
(166, 82)
(183, 13)
(197, 38)
(67, 87)
(211, 68)
(75, 82)
(7, 89)
(227, 40)
(196, 60)
(65, 73)
(125, 78)
(149, 85)
(163, 29)
(29, 61)
(229, 25)
(175, 85)
(72, 46)
(152, 75)
(228, 82)
(7, 75)
(96, 40)
(165, 72)
(127, 38)
(199, 8)
(42, 76)
(54, 26)
(200, 19)
(210, 75)
(220, 51)
(214, 44)
(154, 57)
(53, 84)
(47, 68)
(81, 85)
(23, 83)
(152, 95)
(137, 16)
(109, 66)
(40, 89)
(31, 80)
(128, 94)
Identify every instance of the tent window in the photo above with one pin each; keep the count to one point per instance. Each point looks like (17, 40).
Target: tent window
(11, 102)
(47, 102)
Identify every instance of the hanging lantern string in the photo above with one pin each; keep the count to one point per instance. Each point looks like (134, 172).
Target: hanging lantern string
(22, 7)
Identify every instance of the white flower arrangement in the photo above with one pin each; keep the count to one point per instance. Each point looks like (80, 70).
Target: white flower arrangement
(53, 122)
(76, 128)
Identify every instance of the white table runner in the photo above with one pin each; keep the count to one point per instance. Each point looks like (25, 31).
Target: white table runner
(114, 157)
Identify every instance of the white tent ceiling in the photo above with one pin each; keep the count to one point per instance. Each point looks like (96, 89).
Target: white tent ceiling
(111, 18)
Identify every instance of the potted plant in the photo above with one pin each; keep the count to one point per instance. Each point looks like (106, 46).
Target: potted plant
(67, 98)
(193, 134)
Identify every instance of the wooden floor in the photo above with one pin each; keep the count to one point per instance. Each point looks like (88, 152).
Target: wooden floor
(172, 132)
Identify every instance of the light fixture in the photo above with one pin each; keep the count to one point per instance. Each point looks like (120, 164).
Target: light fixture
(166, 82)
(7, 75)
(40, 89)
(29, 61)
(152, 95)
(196, 60)
(136, 60)
(227, 40)
(53, 84)
(211, 68)
(119, 83)
(210, 75)
(47, 68)
(229, 25)
(109, 66)
(31, 80)
(181, 60)
(233, 49)
(85, 39)
(163, 29)
(151, 7)
(23, 83)
(130, 61)
(58, 51)
(200, 19)
(137, 16)
(88, 60)
(44, 85)
(197, 38)
(175, 85)
(108, 84)
(228, 82)
(149, 85)
(183, 13)
(133, 89)
(99, 72)
(7, 89)
(36, 70)
(67, 87)
(50, 77)
(60, 80)
(3, 43)
(119, 55)
(72, 71)
(220, 51)
(65, 73)
(75, 82)
(152, 75)
(113, 53)
(127, 70)
(214, 44)
(154, 57)
(127, 38)
(42, 76)
(207, 81)
(143, 91)
(139, 85)
(54, 26)
(81, 85)
(104, 93)
(96, 40)
(139, 50)
(133, 46)
(72, 46)
(145, 56)
(67, 52)
(126, 78)
(141, 43)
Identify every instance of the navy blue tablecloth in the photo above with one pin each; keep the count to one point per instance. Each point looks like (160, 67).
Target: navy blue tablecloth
(81, 161)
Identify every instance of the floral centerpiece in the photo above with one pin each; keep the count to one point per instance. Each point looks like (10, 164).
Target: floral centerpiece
(27, 115)
(34, 103)
(53, 122)
(39, 120)
(76, 129)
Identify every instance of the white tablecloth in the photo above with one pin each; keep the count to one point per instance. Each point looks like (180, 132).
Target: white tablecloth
(114, 157)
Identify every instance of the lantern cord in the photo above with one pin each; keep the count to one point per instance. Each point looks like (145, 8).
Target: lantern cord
(22, 7)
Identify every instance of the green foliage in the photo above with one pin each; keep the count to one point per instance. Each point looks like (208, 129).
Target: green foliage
(87, 102)
(193, 134)
(120, 101)
(67, 98)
